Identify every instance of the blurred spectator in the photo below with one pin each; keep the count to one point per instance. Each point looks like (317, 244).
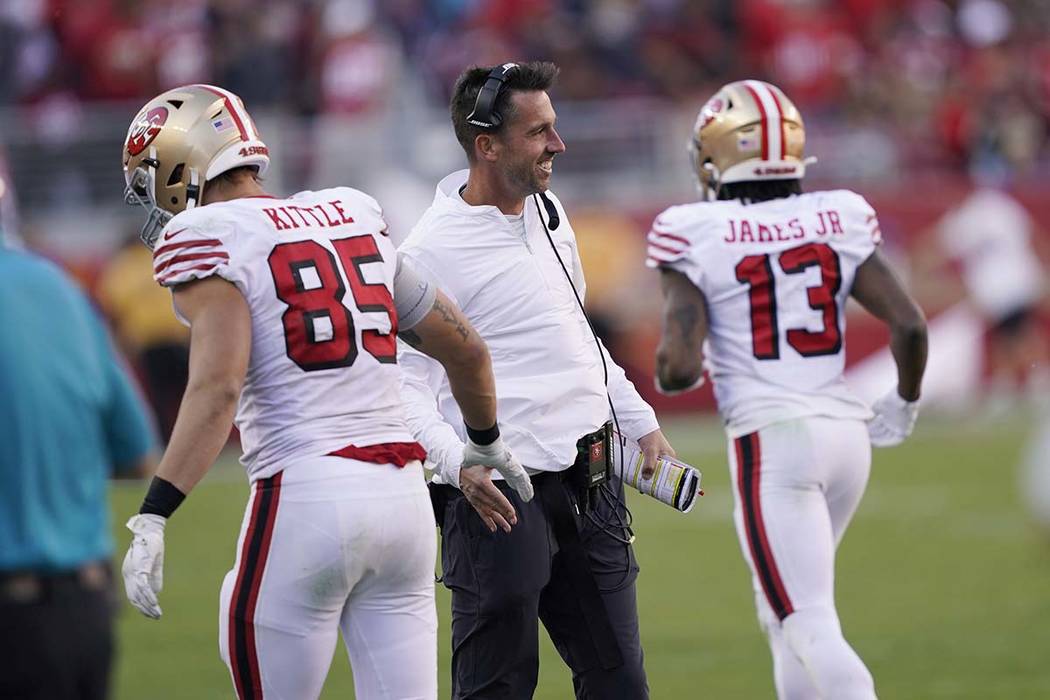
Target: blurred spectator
(69, 419)
(358, 64)
(989, 236)
(9, 236)
(974, 72)
(141, 313)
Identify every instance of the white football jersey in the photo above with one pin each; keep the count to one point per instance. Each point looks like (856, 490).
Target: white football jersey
(776, 276)
(317, 270)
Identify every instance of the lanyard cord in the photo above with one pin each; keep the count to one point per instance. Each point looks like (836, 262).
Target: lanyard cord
(612, 498)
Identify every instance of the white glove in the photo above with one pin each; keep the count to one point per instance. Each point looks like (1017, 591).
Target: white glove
(893, 421)
(143, 567)
(497, 456)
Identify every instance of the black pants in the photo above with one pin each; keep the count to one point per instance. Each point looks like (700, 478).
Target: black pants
(56, 636)
(503, 584)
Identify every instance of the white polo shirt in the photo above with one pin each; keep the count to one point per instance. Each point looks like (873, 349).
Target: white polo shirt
(550, 383)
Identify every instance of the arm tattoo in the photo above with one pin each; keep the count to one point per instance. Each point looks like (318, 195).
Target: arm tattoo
(449, 317)
(411, 337)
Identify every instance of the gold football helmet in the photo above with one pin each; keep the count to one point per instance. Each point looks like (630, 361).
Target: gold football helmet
(749, 130)
(179, 141)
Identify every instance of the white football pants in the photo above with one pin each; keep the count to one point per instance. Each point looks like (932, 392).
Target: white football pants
(796, 486)
(333, 544)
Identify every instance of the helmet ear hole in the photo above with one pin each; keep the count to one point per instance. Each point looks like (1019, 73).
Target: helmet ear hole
(174, 200)
(176, 174)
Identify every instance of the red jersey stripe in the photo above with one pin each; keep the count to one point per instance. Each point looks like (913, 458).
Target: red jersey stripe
(202, 243)
(187, 257)
(163, 280)
(673, 251)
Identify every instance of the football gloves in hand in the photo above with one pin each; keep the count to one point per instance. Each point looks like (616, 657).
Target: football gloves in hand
(893, 421)
(143, 567)
(497, 456)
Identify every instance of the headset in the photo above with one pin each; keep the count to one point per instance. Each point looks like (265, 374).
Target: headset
(485, 114)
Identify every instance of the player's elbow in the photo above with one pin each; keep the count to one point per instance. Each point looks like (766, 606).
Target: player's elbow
(675, 372)
(220, 390)
(910, 326)
(471, 356)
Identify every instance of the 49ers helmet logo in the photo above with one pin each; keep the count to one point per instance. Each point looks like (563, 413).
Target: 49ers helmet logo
(144, 130)
(709, 112)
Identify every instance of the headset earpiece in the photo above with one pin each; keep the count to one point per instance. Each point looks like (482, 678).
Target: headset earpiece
(485, 114)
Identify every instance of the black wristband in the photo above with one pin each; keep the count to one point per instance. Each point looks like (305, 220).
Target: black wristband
(483, 437)
(162, 498)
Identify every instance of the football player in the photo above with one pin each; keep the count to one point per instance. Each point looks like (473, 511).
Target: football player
(755, 281)
(294, 305)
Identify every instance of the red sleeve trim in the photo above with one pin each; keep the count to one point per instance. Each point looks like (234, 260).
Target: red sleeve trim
(172, 275)
(201, 243)
(176, 259)
(673, 237)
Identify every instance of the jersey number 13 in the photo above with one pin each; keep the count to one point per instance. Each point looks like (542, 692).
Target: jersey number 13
(756, 271)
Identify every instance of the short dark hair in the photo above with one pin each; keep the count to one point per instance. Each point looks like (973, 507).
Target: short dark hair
(760, 190)
(535, 75)
(229, 177)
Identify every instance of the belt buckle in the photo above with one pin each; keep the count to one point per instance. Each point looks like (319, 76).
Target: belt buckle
(22, 588)
(93, 576)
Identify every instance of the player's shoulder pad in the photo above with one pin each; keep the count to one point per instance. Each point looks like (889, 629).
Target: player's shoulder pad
(195, 244)
(676, 231)
(365, 201)
(859, 216)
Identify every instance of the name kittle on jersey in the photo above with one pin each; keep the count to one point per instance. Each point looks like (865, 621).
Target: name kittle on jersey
(827, 223)
(319, 215)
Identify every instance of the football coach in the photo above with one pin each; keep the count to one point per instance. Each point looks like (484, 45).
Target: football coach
(500, 244)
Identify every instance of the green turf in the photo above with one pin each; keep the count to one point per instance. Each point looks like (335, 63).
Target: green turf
(943, 587)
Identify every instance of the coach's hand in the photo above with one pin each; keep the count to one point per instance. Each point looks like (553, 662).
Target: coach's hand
(143, 567)
(653, 446)
(475, 482)
(497, 456)
(893, 421)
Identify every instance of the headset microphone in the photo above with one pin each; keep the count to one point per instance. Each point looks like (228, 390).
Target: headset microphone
(553, 220)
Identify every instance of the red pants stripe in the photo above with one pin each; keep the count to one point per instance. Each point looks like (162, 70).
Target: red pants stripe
(748, 481)
(254, 549)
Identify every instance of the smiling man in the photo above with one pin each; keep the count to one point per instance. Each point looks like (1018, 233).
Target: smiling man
(499, 242)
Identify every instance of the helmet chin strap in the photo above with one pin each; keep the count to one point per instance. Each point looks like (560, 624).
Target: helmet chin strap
(194, 191)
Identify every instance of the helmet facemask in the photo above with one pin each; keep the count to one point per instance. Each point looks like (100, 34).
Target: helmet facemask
(708, 178)
(141, 190)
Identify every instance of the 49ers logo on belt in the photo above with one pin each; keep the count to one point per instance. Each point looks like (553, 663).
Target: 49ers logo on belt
(145, 130)
(597, 451)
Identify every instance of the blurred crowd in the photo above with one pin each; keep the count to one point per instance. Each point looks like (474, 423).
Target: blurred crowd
(961, 82)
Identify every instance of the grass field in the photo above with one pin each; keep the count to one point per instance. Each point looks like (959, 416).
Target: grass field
(943, 586)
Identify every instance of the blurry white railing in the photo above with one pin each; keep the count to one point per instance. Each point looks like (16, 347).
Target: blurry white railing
(65, 161)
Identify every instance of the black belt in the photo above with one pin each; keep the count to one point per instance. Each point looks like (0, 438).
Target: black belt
(24, 586)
